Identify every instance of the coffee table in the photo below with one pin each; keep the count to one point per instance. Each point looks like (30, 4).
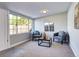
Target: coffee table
(42, 41)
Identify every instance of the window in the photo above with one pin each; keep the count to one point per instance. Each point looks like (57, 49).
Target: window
(19, 24)
(30, 24)
(12, 23)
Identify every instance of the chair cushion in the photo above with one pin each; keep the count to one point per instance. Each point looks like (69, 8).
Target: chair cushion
(61, 33)
(57, 38)
(44, 36)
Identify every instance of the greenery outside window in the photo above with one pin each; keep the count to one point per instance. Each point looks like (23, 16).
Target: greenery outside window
(19, 24)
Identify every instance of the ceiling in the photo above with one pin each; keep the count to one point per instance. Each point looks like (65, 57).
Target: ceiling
(32, 9)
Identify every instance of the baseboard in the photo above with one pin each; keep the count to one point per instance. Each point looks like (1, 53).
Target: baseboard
(74, 51)
(19, 43)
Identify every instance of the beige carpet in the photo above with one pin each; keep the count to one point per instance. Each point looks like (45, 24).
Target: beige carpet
(31, 49)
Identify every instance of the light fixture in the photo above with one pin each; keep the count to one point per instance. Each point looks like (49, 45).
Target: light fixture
(44, 11)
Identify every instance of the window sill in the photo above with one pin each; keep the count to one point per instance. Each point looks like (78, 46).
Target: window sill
(19, 34)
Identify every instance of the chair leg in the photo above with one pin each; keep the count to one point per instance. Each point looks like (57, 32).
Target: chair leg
(49, 43)
(61, 42)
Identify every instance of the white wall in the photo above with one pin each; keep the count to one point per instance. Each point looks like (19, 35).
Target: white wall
(74, 33)
(4, 44)
(59, 20)
(18, 38)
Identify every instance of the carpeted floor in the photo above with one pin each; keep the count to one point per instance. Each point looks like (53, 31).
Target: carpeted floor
(31, 49)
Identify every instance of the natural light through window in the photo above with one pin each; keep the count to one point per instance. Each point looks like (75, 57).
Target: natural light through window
(19, 24)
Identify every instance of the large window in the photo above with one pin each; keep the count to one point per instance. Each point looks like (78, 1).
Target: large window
(19, 24)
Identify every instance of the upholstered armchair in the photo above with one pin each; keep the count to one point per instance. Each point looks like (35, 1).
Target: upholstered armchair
(59, 37)
(36, 35)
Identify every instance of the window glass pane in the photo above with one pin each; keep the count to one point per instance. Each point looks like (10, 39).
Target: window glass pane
(13, 17)
(26, 21)
(10, 16)
(18, 17)
(12, 24)
(12, 29)
(30, 24)
(22, 25)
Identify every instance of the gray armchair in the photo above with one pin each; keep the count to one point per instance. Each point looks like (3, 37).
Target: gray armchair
(59, 36)
(36, 35)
